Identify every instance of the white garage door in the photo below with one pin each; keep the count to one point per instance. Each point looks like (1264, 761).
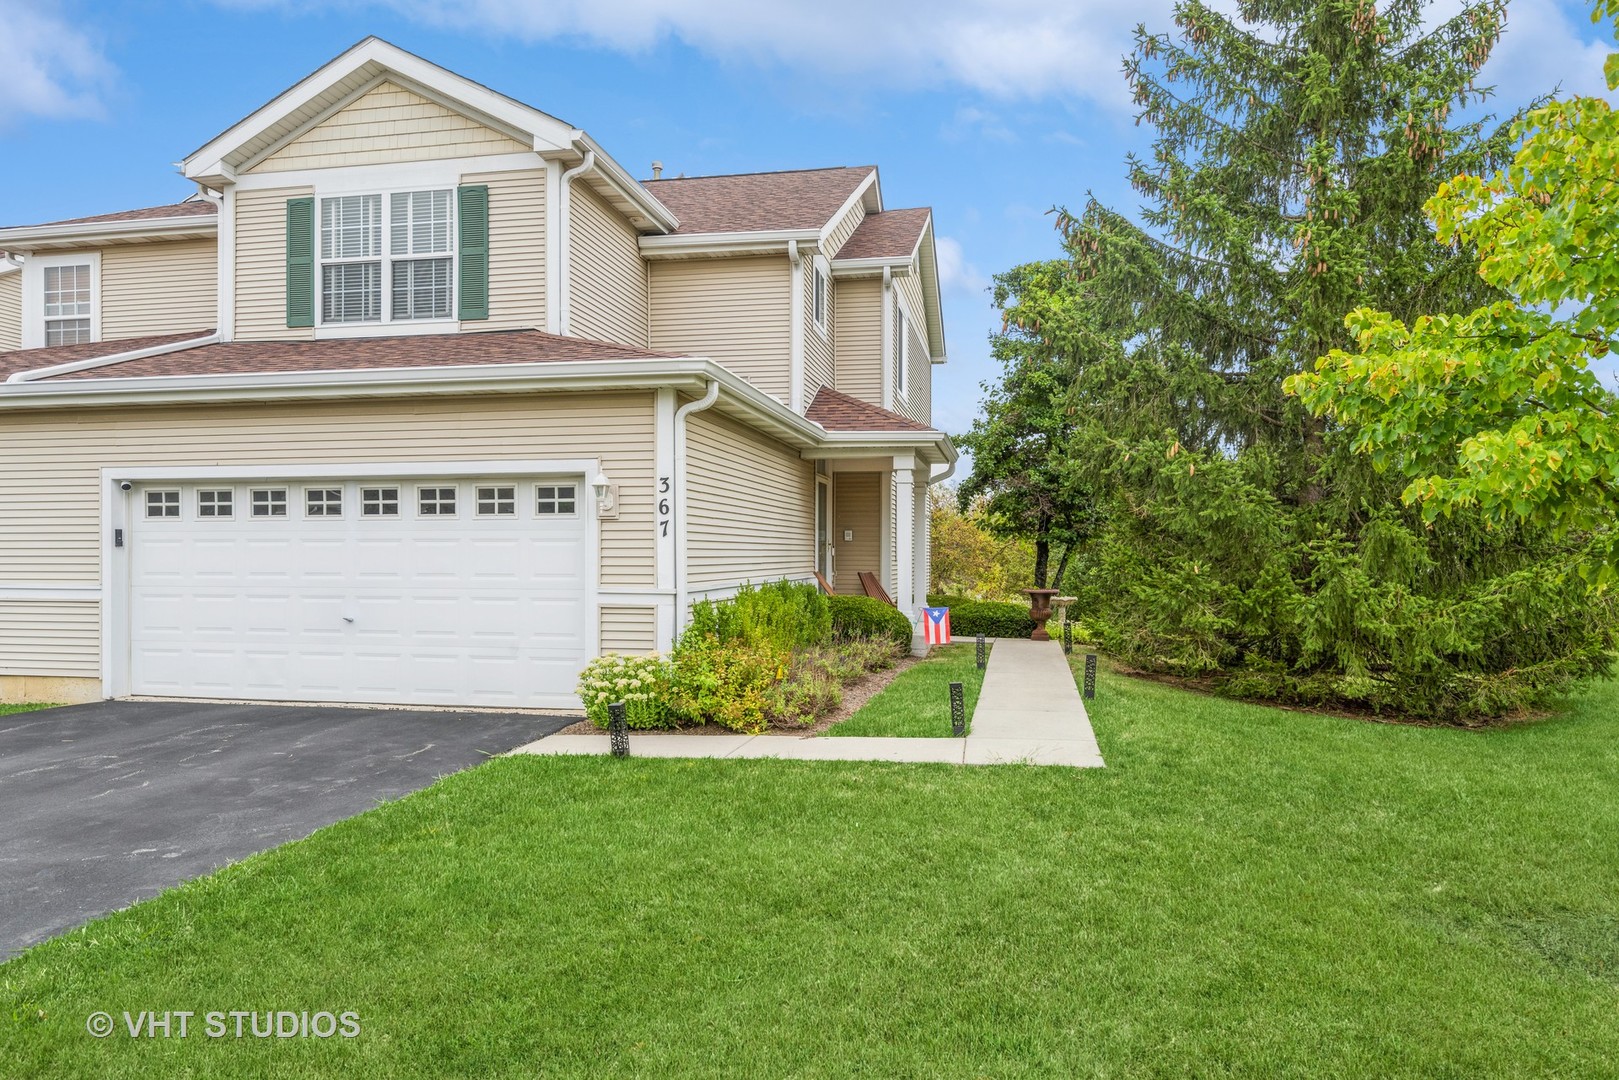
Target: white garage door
(434, 591)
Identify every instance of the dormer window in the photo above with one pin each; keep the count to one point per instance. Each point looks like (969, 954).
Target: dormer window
(68, 293)
(416, 260)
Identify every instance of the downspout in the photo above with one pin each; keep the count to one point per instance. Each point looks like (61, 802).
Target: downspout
(796, 352)
(565, 197)
(704, 402)
(13, 258)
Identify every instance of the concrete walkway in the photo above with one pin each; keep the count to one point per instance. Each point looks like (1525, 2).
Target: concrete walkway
(1029, 711)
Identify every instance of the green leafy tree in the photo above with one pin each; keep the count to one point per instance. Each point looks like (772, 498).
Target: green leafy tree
(1296, 145)
(1499, 411)
(1022, 481)
(967, 559)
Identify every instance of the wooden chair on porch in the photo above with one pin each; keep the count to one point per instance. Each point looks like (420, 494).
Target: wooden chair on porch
(874, 588)
(826, 586)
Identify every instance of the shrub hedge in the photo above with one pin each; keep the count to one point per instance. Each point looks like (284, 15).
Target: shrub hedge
(867, 617)
(992, 618)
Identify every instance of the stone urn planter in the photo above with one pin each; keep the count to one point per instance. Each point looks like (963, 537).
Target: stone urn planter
(1040, 611)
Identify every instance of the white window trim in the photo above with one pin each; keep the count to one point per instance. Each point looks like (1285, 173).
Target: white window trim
(33, 293)
(822, 272)
(387, 258)
(901, 360)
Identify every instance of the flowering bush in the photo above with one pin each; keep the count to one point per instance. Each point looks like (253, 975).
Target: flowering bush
(730, 683)
(642, 683)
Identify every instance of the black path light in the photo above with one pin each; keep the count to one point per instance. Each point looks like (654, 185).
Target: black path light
(1090, 675)
(981, 653)
(1067, 637)
(958, 710)
(618, 732)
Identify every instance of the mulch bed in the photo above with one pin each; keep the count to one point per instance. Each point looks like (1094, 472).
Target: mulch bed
(855, 694)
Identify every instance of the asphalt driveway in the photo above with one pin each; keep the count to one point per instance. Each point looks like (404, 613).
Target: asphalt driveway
(103, 805)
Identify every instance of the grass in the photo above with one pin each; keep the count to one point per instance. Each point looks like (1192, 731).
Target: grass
(27, 706)
(917, 703)
(1243, 892)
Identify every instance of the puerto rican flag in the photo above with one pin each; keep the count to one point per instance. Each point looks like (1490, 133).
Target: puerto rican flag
(936, 625)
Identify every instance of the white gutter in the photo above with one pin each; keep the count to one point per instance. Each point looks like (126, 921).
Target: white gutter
(114, 358)
(679, 510)
(753, 242)
(565, 195)
(796, 329)
(27, 236)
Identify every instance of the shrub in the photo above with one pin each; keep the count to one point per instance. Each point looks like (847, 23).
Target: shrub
(783, 613)
(642, 683)
(866, 617)
(808, 693)
(730, 683)
(992, 619)
(937, 600)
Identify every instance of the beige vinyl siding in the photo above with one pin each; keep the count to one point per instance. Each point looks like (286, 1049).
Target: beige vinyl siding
(159, 288)
(50, 466)
(819, 369)
(844, 228)
(516, 249)
(607, 280)
(261, 265)
(50, 637)
(737, 311)
(11, 310)
(860, 339)
(630, 630)
(915, 403)
(750, 505)
(856, 505)
(389, 124)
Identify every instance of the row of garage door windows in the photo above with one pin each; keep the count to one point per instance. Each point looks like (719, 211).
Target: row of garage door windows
(495, 500)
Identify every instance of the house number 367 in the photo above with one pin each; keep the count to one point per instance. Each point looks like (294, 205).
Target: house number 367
(663, 506)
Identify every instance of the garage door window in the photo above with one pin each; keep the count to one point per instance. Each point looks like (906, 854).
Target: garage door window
(555, 499)
(436, 501)
(162, 504)
(269, 502)
(379, 501)
(323, 502)
(215, 504)
(497, 501)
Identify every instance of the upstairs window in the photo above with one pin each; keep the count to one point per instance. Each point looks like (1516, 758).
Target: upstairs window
(68, 293)
(819, 291)
(900, 338)
(415, 259)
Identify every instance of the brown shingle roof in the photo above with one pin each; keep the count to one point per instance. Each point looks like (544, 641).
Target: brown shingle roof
(751, 202)
(196, 208)
(367, 354)
(30, 359)
(840, 412)
(891, 234)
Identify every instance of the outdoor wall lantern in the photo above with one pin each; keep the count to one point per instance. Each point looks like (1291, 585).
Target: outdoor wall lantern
(606, 495)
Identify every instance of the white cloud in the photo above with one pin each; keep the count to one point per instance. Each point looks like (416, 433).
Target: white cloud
(48, 66)
(955, 272)
(1009, 49)
(971, 122)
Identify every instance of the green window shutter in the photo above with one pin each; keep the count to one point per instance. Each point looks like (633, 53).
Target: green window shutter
(300, 262)
(472, 210)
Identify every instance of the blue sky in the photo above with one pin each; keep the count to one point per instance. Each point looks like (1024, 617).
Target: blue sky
(990, 111)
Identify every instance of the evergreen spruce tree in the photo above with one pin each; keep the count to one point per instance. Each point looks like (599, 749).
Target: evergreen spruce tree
(1295, 147)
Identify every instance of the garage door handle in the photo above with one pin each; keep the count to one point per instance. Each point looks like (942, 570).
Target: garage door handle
(348, 618)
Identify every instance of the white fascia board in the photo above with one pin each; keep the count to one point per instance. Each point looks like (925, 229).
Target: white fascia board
(934, 447)
(545, 128)
(26, 237)
(933, 299)
(756, 242)
(625, 184)
(900, 265)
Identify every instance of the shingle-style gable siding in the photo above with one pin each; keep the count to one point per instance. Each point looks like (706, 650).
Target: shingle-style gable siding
(843, 229)
(261, 265)
(388, 124)
(607, 279)
(159, 288)
(516, 249)
(736, 311)
(11, 310)
(860, 339)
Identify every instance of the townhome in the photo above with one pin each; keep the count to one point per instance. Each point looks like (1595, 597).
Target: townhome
(421, 397)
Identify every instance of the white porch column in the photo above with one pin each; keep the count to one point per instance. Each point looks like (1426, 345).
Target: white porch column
(919, 559)
(904, 481)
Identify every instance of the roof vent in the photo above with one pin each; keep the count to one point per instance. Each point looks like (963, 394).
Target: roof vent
(657, 170)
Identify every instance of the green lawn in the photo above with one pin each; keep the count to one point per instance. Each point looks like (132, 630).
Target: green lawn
(1243, 892)
(7, 710)
(917, 703)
